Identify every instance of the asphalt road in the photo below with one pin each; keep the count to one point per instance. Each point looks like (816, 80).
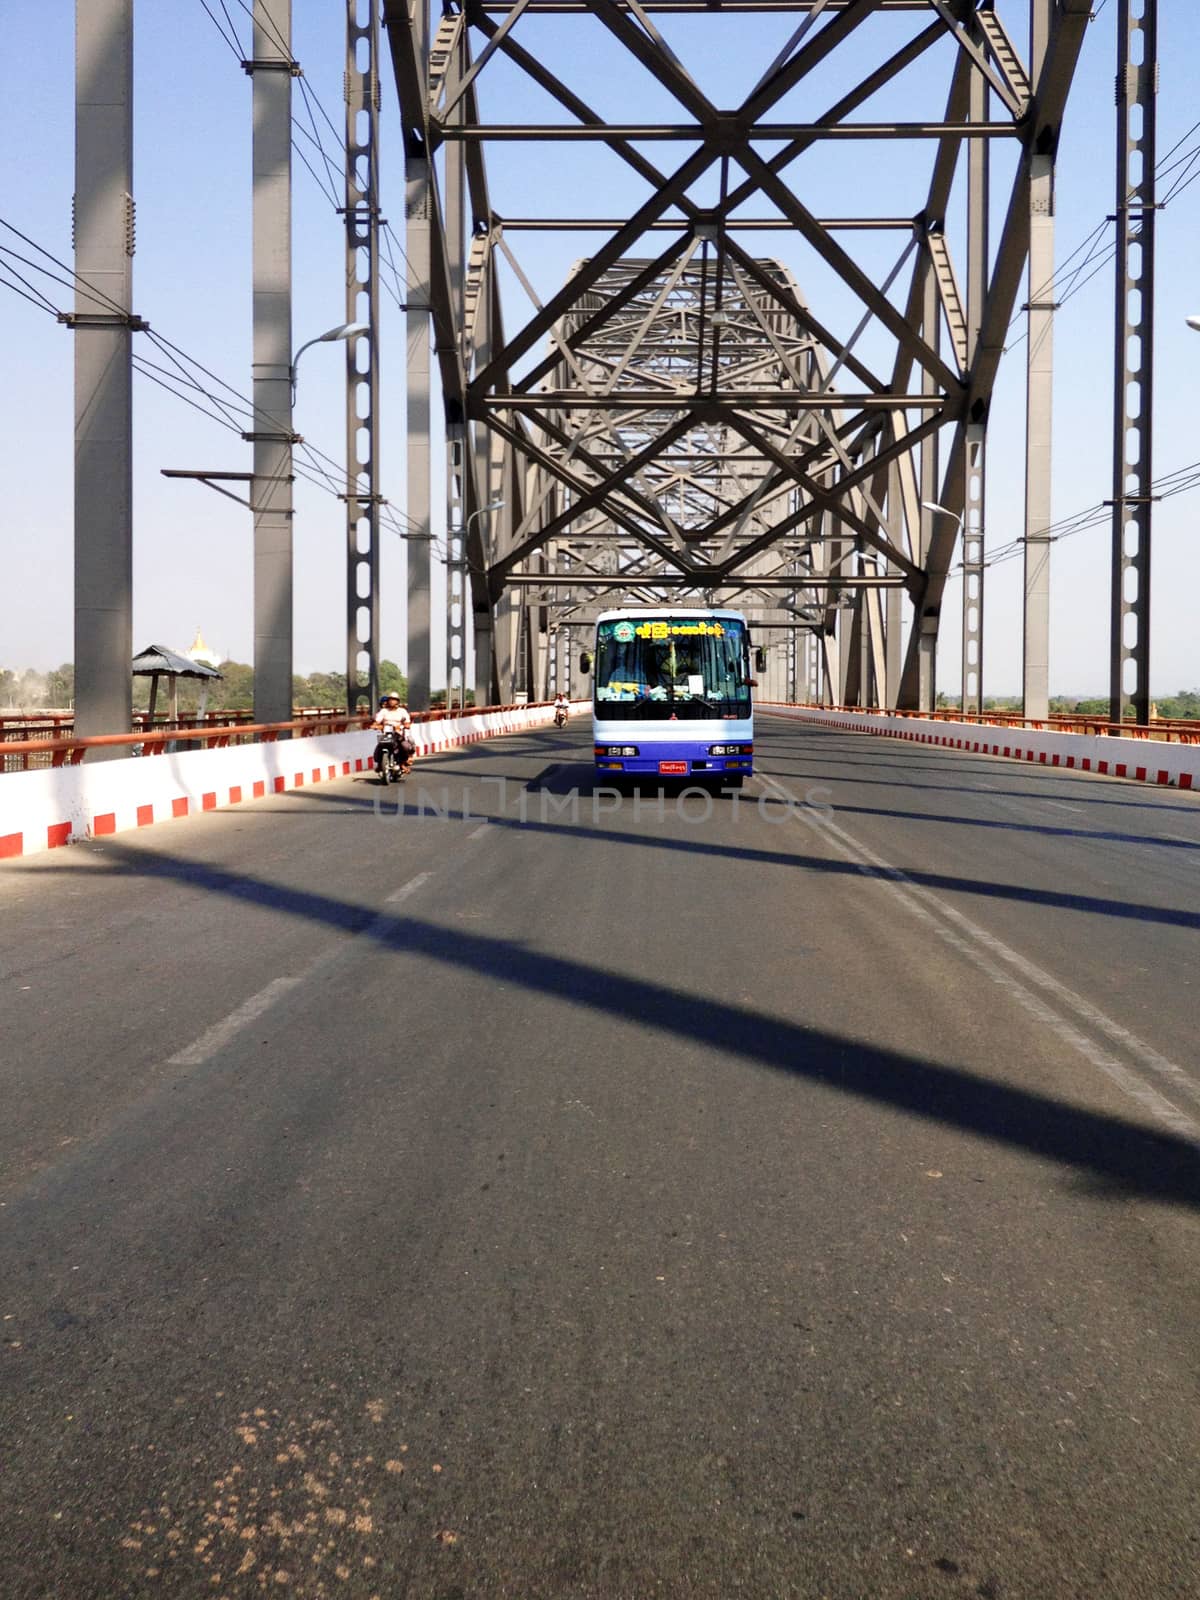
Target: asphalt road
(783, 1198)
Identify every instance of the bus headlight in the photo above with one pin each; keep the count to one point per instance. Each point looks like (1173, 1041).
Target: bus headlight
(730, 749)
(618, 750)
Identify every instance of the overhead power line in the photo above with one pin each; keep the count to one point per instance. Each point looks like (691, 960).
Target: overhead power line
(230, 37)
(1096, 249)
(232, 409)
(331, 181)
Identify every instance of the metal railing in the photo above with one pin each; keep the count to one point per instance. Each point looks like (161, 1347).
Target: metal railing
(64, 750)
(1171, 730)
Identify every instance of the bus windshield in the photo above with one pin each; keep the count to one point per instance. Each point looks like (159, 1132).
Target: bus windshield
(654, 668)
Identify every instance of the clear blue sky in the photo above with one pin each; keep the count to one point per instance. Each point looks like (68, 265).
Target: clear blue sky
(192, 552)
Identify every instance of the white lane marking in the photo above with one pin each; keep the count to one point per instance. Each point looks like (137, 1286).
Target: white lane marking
(405, 889)
(219, 1035)
(1021, 807)
(1028, 806)
(479, 831)
(979, 946)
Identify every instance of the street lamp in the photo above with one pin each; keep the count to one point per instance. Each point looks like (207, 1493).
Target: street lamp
(1193, 323)
(456, 566)
(932, 505)
(344, 330)
(972, 635)
(483, 511)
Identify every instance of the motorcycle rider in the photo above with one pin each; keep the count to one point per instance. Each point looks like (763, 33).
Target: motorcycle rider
(561, 707)
(392, 717)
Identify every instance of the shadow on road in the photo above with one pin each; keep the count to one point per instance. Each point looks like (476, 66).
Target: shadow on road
(1086, 789)
(395, 807)
(1114, 1156)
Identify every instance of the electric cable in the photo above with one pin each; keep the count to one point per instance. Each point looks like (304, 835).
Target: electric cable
(230, 38)
(330, 472)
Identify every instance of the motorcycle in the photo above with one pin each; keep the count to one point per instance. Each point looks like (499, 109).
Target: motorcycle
(560, 716)
(393, 756)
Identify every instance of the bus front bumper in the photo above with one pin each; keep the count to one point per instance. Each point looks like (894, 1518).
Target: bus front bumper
(675, 760)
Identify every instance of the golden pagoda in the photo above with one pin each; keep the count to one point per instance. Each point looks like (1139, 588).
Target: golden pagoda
(200, 652)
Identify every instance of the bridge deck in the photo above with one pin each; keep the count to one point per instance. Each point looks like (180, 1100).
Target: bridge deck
(780, 1204)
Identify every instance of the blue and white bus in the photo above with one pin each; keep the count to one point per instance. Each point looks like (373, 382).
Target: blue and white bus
(672, 694)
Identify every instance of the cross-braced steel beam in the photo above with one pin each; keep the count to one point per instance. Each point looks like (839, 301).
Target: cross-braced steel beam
(674, 418)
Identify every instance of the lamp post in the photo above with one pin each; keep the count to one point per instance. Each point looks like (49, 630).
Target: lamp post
(972, 701)
(345, 330)
(456, 564)
(342, 333)
(274, 441)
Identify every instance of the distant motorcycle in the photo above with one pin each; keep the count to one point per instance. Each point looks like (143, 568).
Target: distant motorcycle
(560, 717)
(393, 756)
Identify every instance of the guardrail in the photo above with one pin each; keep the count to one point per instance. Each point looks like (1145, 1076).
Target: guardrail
(65, 750)
(1171, 730)
(1105, 751)
(71, 798)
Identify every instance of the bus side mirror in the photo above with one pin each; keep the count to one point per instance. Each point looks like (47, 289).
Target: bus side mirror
(760, 660)
(585, 662)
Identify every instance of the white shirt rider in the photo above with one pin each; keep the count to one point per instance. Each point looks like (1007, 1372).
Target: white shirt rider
(392, 714)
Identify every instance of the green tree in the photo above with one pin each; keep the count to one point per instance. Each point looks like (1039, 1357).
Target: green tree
(60, 686)
(236, 691)
(392, 680)
(326, 689)
(1185, 704)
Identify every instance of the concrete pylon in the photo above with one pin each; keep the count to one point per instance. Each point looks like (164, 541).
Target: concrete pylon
(103, 324)
(271, 71)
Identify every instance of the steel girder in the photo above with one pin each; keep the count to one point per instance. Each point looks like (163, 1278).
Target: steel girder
(674, 420)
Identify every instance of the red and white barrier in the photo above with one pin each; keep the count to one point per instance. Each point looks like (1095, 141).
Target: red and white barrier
(53, 806)
(1144, 760)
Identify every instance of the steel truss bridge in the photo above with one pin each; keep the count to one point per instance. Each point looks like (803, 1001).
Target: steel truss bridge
(678, 421)
(727, 399)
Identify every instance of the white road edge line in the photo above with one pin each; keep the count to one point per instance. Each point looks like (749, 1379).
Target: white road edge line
(978, 945)
(218, 1036)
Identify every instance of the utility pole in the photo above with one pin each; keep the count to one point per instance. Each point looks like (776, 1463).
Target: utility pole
(458, 460)
(271, 71)
(975, 462)
(362, 356)
(1133, 431)
(103, 324)
(1039, 387)
(456, 565)
(418, 198)
(930, 486)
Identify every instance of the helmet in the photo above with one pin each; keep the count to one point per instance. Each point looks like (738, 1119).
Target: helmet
(390, 697)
